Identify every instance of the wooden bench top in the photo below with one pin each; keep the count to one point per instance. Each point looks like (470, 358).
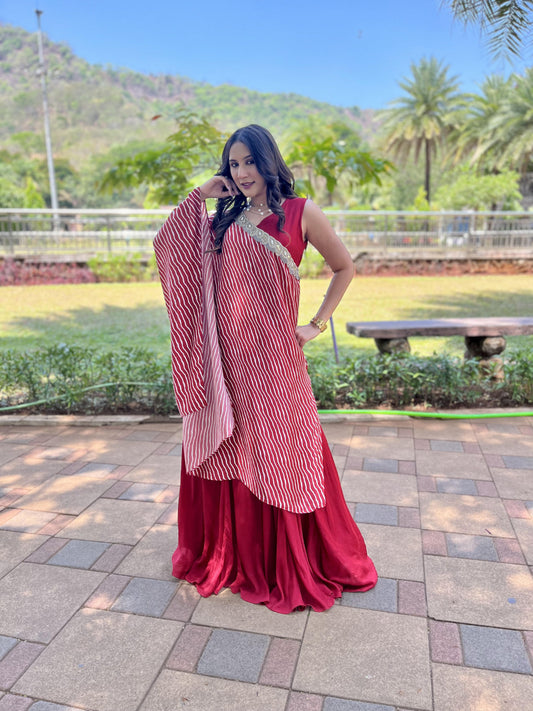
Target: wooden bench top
(495, 326)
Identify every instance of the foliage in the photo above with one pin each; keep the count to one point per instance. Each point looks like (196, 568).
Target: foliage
(70, 379)
(508, 22)
(423, 118)
(122, 268)
(469, 136)
(469, 190)
(420, 203)
(32, 197)
(168, 170)
(64, 377)
(11, 195)
(17, 272)
(508, 137)
(405, 381)
(93, 108)
(317, 149)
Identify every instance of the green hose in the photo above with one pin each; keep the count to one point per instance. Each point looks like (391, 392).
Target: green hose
(408, 413)
(434, 415)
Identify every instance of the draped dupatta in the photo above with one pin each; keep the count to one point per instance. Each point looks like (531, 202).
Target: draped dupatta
(240, 377)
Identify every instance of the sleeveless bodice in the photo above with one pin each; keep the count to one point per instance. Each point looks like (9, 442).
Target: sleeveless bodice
(291, 237)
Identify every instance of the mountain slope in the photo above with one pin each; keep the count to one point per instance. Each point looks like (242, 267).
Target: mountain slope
(93, 108)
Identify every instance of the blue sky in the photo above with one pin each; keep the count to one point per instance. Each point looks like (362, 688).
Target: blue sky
(346, 52)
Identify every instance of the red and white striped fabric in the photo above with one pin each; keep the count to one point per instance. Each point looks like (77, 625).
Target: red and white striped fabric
(240, 377)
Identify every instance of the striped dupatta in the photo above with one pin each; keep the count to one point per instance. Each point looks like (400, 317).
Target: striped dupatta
(240, 377)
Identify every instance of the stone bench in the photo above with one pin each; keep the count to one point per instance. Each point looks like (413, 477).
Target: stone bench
(484, 337)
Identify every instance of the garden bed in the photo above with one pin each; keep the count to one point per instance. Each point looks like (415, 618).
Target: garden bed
(71, 380)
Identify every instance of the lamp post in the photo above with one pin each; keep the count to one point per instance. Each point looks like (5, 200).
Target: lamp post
(48, 140)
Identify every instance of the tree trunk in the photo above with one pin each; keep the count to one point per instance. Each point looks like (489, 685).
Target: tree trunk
(428, 171)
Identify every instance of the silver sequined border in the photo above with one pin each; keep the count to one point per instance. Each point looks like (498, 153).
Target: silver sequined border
(271, 243)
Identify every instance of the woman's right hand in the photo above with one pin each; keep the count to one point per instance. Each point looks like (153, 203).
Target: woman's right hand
(218, 187)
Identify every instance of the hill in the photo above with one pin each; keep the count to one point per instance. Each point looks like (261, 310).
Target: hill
(93, 108)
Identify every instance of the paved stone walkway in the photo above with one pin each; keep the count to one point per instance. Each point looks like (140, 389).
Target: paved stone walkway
(90, 617)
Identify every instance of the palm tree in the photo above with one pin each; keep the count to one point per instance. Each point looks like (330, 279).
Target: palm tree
(509, 139)
(508, 22)
(422, 119)
(474, 136)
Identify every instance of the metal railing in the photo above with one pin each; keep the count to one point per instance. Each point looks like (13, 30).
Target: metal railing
(75, 233)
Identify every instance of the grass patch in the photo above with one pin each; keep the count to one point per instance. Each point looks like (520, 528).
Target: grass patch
(109, 316)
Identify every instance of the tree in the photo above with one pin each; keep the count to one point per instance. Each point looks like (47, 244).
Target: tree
(32, 197)
(509, 137)
(329, 151)
(473, 191)
(421, 120)
(508, 22)
(474, 132)
(168, 170)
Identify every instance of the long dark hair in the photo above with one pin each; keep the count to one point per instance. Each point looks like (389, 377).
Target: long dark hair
(270, 165)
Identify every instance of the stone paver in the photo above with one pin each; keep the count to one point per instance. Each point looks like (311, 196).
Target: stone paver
(456, 486)
(479, 690)
(91, 618)
(479, 592)
(229, 610)
(513, 483)
(114, 521)
(15, 547)
(456, 513)
(188, 648)
(6, 644)
(157, 469)
(203, 692)
(464, 466)
(143, 596)
(79, 554)
(380, 488)
(37, 600)
(28, 521)
(101, 660)
(372, 656)
(396, 552)
(476, 547)
(64, 494)
(382, 597)
(492, 648)
(333, 704)
(524, 533)
(376, 513)
(149, 558)
(234, 655)
(28, 471)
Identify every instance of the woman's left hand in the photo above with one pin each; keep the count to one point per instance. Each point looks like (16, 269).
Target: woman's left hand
(306, 333)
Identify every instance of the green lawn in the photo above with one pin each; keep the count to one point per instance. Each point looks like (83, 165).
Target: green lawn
(110, 315)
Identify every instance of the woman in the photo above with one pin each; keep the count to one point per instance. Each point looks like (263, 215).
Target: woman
(261, 509)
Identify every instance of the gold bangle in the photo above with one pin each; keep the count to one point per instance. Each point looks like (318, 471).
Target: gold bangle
(320, 323)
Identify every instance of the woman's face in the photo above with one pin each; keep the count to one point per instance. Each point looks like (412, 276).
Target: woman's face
(245, 175)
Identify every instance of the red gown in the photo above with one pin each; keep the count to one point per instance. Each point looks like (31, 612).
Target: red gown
(230, 534)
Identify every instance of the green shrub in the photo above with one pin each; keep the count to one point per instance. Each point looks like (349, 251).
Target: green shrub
(72, 379)
(122, 267)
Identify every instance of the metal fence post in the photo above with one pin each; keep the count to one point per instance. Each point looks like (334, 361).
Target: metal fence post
(108, 228)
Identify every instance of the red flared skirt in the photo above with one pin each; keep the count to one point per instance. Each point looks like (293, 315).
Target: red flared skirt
(286, 561)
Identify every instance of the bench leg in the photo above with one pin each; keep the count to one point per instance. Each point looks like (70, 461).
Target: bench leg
(392, 345)
(487, 350)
